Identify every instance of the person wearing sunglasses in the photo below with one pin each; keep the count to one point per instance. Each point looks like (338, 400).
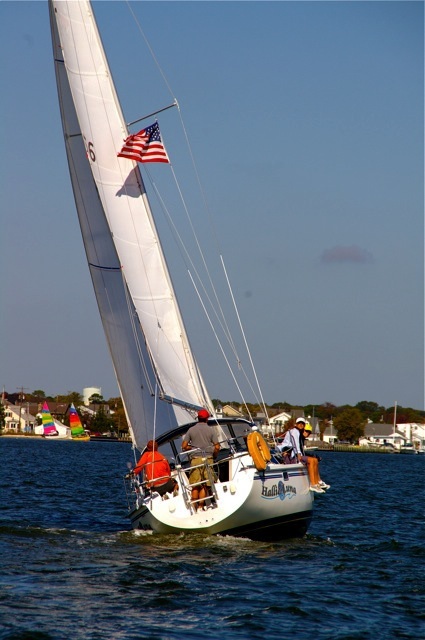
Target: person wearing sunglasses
(293, 446)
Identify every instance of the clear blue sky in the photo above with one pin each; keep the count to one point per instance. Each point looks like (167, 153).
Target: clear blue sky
(306, 120)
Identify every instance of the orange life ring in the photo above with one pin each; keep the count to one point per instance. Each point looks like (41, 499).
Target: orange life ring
(258, 450)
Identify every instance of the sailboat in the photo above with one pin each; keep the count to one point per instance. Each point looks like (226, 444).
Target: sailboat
(253, 494)
(49, 428)
(77, 429)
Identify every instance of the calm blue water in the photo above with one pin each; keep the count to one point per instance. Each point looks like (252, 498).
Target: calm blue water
(71, 568)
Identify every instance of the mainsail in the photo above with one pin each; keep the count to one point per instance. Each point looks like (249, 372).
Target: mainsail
(77, 428)
(138, 307)
(49, 428)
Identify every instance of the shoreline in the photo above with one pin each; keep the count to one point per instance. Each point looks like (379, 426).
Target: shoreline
(35, 436)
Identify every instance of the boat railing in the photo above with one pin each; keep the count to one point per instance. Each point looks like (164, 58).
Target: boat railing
(206, 470)
(133, 490)
(236, 444)
(138, 489)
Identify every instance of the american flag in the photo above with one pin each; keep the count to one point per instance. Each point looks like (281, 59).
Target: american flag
(145, 146)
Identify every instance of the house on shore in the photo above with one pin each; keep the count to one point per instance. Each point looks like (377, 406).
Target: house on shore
(18, 419)
(384, 434)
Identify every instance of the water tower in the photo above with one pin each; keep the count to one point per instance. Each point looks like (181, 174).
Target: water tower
(88, 392)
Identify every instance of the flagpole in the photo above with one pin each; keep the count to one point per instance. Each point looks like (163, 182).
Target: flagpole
(175, 104)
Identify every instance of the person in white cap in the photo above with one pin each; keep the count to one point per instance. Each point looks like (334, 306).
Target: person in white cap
(293, 444)
(292, 441)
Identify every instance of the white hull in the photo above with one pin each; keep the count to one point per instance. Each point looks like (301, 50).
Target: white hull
(273, 504)
(63, 434)
(58, 436)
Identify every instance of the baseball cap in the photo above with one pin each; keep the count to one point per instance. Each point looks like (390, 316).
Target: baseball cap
(203, 413)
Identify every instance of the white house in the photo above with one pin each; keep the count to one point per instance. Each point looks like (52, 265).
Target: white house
(277, 423)
(18, 419)
(330, 434)
(414, 433)
(378, 433)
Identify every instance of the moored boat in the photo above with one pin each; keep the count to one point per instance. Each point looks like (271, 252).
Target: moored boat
(408, 449)
(51, 429)
(77, 430)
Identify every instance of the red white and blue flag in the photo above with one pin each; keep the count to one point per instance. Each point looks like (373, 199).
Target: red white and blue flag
(145, 146)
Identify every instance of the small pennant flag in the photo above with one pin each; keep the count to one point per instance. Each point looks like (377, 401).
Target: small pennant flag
(145, 146)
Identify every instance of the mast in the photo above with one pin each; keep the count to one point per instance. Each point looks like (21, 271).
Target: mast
(395, 418)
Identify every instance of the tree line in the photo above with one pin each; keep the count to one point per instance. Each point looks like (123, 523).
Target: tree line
(327, 411)
(349, 421)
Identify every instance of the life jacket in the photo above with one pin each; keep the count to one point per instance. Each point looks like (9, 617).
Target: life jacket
(154, 465)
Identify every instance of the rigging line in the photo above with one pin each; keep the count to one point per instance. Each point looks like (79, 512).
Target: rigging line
(133, 446)
(244, 336)
(217, 241)
(154, 113)
(219, 344)
(223, 322)
(154, 416)
(254, 392)
(198, 179)
(182, 248)
(160, 333)
(136, 338)
(188, 260)
(226, 331)
(155, 59)
(151, 51)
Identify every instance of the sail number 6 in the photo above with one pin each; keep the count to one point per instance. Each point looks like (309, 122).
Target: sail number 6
(89, 149)
(90, 152)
